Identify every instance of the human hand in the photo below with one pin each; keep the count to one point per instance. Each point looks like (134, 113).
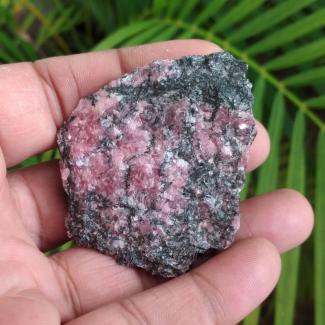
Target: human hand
(80, 286)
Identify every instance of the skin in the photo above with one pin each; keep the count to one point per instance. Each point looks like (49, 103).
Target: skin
(81, 286)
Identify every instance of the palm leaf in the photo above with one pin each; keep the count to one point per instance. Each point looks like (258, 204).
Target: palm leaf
(167, 34)
(269, 19)
(317, 102)
(209, 11)
(319, 232)
(123, 34)
(188, 7)
(11, 47)
(158, 6)
(285, 294)
(309, 77)
(244, 28)
(268, 174)
(145, 36)
(37, 13)
(186, 35)
(44, 31)
(253, 318)
(289, 33)
(172, 7)
(299, 55)
(6, 57)
(237, 13)
(258, 92)
(14, 44)
(30, 161)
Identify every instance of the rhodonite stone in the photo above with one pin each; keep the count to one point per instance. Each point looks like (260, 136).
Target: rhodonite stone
(153, 163)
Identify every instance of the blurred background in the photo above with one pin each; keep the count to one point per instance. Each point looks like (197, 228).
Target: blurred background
(282, 41)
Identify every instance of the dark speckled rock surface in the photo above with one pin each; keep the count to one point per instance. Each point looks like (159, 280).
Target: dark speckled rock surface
(153, 163)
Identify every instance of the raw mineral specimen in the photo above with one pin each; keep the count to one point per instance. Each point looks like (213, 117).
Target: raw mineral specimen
(153, 163)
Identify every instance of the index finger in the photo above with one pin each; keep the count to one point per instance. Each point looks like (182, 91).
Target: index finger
(35, 98)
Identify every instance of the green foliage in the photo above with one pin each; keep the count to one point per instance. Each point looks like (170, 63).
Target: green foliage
(282, 41)
(286, 291)
(309, 77)
(253, 318)
(268, 173)
(269, 19)
(317, 102)
(299, 55)
(319, 233)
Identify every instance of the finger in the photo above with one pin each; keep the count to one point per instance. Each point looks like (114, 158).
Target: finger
(284, 217)
(37, 98)
(28, 307)
(259, 149)
(96, 280)
(43, 203)
(10, 222)
(222, 291)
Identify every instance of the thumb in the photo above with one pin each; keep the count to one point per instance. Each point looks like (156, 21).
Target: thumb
(28, 307)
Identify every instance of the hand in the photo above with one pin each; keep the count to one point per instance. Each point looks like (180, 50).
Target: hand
(80, 286)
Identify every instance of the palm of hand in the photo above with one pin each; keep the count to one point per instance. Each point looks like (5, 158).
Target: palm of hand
(35, 289)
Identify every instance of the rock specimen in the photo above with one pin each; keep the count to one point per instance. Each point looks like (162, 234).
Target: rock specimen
(153, 163)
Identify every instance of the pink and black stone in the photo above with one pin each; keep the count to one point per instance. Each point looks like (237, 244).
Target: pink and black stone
(153, 163)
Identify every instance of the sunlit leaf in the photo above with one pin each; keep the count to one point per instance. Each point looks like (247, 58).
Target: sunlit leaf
(268, 173)
(209, 11)
(61, 20)
(186, 35)
(158, 6)
(29, 50)
(244, 8)
(166, 35)
(317, 102)
(7, 17)
(56, 154)
(29, 20)
(286, 290)
(258, 91)
(30, 161)
(268, 19)
(45, 156)
(11, 46)
(187, 7)
(319, 231)
(289, 33)
(44, 31)
(145, 36)
(309, 77)
(122, 34)
(299, 55)
(254, 317)
(172, 7)
(5, 57)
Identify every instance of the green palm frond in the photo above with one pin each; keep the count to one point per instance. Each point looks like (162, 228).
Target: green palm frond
(284, 45)
(317, 102)
(309, 77)
(13, 48)
(296, 178)
(319, 233)
(268, 173)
